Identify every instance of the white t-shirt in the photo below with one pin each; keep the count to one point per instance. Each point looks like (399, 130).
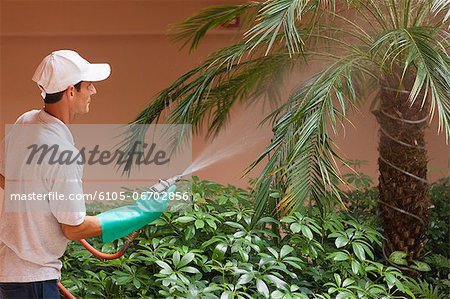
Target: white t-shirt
(31, 239)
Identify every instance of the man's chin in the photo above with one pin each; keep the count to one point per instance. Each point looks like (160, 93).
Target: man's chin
(86, 111)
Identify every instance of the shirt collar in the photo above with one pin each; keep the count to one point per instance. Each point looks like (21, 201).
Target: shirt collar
(49, 119)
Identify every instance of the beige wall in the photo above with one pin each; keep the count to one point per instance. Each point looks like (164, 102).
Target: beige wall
(131, 35)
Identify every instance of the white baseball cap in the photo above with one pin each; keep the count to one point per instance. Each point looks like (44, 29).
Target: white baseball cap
(63, 68)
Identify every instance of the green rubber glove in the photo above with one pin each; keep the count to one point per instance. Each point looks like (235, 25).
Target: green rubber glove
(122, 221)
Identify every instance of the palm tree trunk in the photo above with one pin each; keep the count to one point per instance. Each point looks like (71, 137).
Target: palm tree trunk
(403, 186)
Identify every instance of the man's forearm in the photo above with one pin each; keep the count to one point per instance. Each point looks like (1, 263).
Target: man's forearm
(89, 228)
(2, 182)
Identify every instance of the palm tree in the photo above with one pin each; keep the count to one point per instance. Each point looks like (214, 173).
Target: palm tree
(394, 53)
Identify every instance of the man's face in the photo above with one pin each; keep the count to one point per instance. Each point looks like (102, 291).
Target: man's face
(82, 98)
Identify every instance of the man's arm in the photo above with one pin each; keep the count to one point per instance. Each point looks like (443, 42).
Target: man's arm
(121, 221)
(89, 228)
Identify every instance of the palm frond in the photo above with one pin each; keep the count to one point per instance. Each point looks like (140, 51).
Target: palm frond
(424, 13)
(373, 9)
(442, 7)
(250, 80)
(421, 14)
(280, 20)
(209, 91)
(193, 29)
(302, 155)
(221, 78)
(425, 50)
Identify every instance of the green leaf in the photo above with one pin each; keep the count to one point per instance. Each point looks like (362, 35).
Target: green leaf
(244, 255)
(390, 279)
(262, 288)
(288, 219)
(355, 267)
(420, 266)
(296, 227)
(185, 219)
(347, 282)
(274, 252)
(199, 224)
(275, 195)
(338, 279)
(285, 250)
(190, 232)
(186, 259)
(183, 278)
(294, 264)
(344, 295)
(266, 220)
(227, 295)
(235, 225)
(219, 251)
(277, 281)
(211, 223)
(359, 251)
(244, 279)
(211, 288)
(341, 256)
(108, 248)
(163, 265)
(307, 232)
(136, 283)
(123, 280)
(277, 295)
(158, 222)
(176, 259)
(239, 234)
(399, 258)
(190, 269)
(341, 242)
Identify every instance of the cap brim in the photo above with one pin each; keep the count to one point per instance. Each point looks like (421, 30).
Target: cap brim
(97, 72)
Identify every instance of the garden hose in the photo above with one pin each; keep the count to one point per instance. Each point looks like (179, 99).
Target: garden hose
(65, 292)
(104, 256)
(113, 256)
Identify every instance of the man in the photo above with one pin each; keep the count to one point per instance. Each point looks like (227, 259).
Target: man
(34, 233)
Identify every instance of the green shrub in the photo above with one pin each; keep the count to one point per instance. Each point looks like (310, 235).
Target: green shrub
(214, 251)
(438, 232)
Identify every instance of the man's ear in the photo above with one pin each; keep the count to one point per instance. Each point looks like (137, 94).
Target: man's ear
(2, 181)
(70, 91)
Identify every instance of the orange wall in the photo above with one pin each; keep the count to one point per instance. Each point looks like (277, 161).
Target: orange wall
(131, 35)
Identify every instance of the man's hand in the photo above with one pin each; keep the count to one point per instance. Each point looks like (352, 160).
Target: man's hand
(119, 222)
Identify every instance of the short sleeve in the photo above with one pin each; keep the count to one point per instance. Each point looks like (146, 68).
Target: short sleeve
(66, 195)
(2, 157)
